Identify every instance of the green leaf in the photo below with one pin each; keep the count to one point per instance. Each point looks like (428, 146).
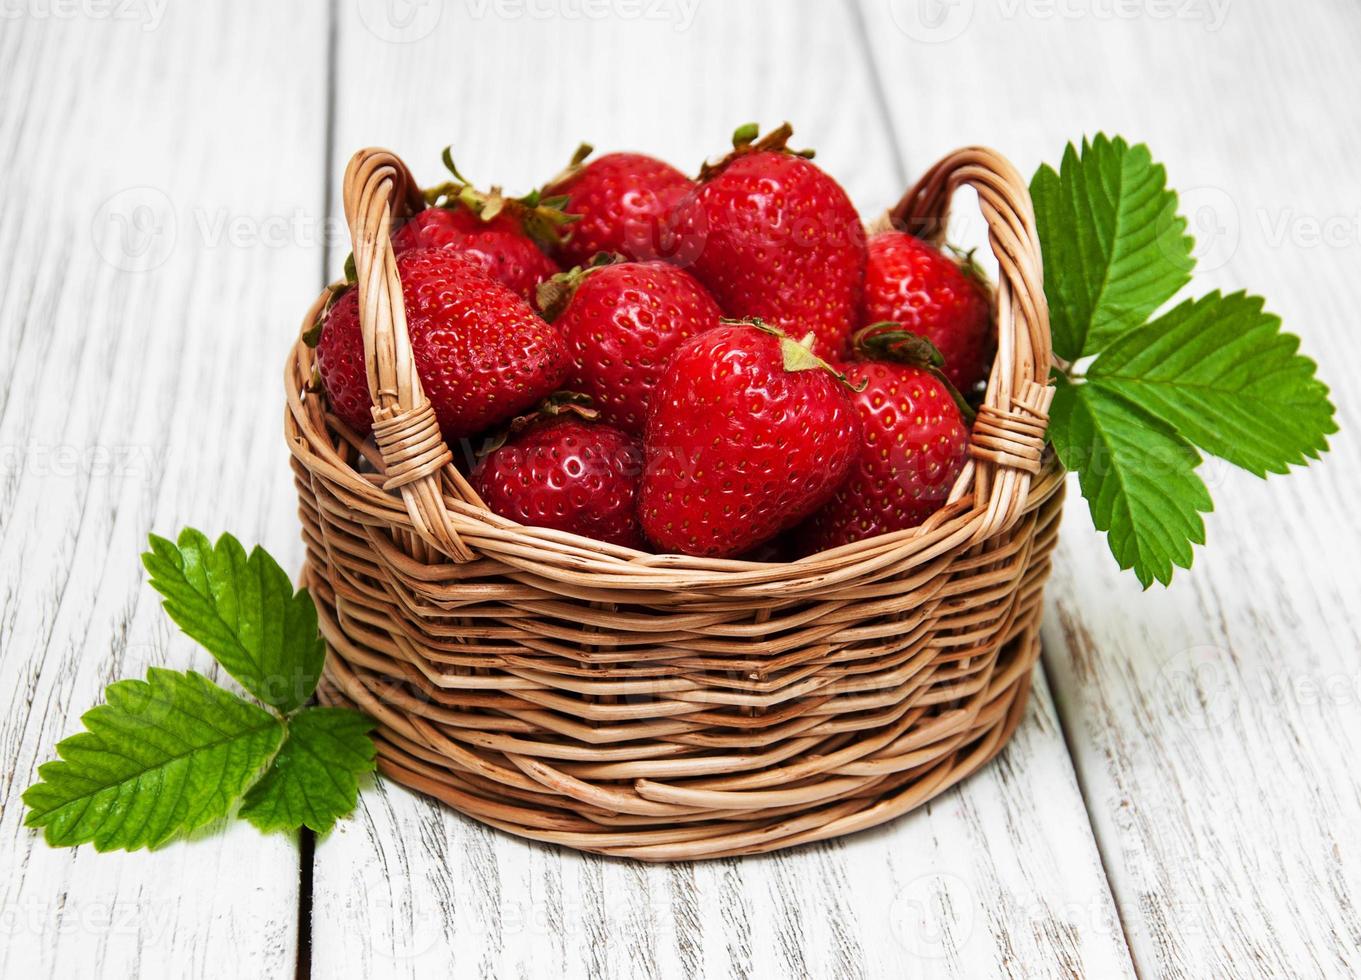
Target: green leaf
(163, 756)
(1115, 248)
(1224, 375)
(244, 611)
(1138, 476)
(314, 777)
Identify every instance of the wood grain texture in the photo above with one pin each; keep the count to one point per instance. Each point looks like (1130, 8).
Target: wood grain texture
(1215, 724)
(152, 161)
(999, 877)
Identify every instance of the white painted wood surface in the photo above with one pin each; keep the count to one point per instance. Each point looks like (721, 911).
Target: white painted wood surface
(1206, 824)
(140, 341)
(1215, 725)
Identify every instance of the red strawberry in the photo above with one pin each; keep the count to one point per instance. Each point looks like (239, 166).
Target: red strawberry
(780, 240)
(506, 236)
(482, 354)
(624, 200)
(569, 474)
(748, 433)
(909, 282)
(915, 443)
(499, 245)
(621, 323)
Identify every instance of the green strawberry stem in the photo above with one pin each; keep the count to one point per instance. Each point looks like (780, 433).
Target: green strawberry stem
(747, 133)
(888, 341)
(448, 157)
(744, 141)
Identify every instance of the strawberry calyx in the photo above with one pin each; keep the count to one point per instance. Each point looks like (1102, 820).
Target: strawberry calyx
(747, 139)
(554, 293)
(556, 405)
(574, 167)
(541, 217)
(887, 340)
(312, 335)
(796, 355)
(970, 267)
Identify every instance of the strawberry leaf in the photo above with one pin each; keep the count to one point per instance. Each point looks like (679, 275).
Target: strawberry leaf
(163, 756)
(1222, 373)
(314, 778)
(244, 611)
(1115, 248)
(1138, 476)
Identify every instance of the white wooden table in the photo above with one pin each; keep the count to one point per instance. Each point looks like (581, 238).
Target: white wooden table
(1183, 799)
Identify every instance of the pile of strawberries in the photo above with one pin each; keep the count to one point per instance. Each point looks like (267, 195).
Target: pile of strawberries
(721, 366)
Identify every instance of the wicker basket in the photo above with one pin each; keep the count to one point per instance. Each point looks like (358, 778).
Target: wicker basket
(660, 706)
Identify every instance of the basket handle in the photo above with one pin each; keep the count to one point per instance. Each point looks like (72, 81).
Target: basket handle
(379, 187)
(1007, 443)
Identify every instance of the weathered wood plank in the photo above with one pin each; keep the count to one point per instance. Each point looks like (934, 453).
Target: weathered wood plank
(1215, 723)
(998, 877)
(153, 162)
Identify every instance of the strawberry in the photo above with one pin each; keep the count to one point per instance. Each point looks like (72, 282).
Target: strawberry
(915, 443)
(621, 322)
(779, 240)
(499, 245)
(569, 474)
(481, 353)
(506, 236)
(624, 200)
(749, 432)
(910, 283)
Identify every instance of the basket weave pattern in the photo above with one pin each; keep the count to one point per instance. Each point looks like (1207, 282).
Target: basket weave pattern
(661, 706)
